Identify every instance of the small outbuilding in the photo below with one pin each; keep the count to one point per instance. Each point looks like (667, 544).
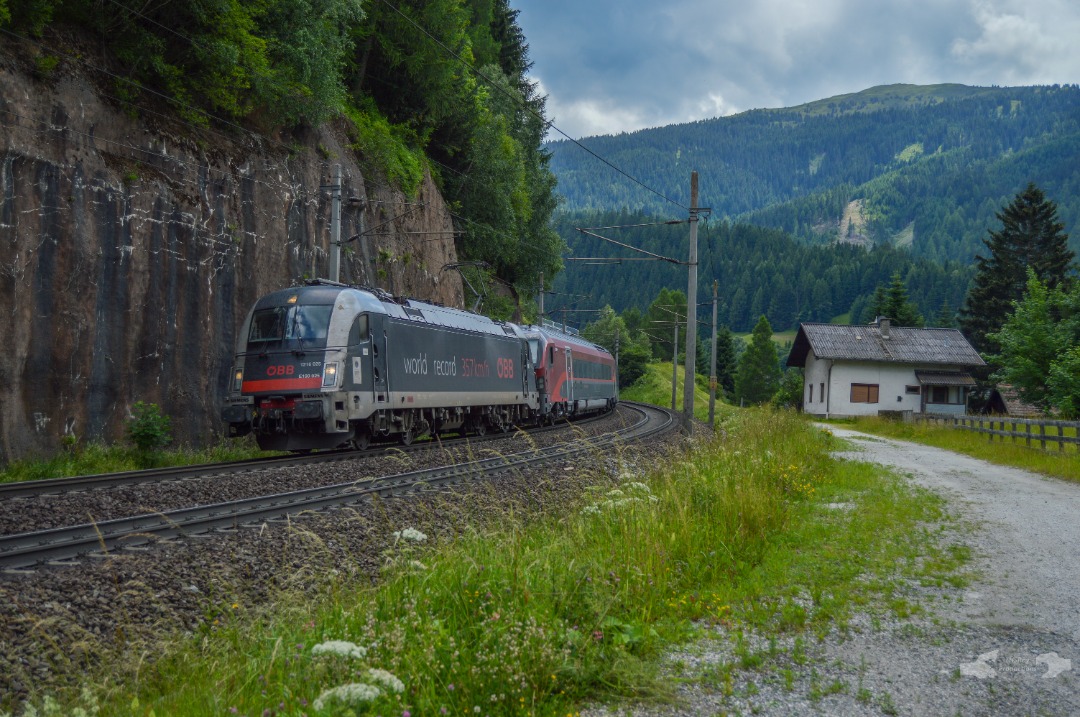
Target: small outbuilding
(863, 370)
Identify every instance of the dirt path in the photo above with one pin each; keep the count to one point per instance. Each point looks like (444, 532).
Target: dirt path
(1007, 644)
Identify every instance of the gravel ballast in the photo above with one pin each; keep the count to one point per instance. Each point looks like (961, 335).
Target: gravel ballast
(57, 620)
(1006, 644)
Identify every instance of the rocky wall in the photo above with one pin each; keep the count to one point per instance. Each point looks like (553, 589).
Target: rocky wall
(131, 249)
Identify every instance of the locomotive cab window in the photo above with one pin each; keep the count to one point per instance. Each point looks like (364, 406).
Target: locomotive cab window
(267, 325)
(309, 323)
(361, 330)
(306, 323)
(534, 351)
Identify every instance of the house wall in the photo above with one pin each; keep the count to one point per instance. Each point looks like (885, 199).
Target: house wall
(892, 381)
(816, 374)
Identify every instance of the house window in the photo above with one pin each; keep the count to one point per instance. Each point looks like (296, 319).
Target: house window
(811, 399)
(912, 390)
(822, 391)
(864, 393)
(939, 394)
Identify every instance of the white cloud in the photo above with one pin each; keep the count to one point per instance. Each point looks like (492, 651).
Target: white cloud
(1022, 42)
(619, 65)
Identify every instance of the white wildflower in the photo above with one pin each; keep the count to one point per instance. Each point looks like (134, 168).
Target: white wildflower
(342, 648)
(639, 487)
(386, 680)
(351, 694)
(590, 510)
(615, 493)
(410, 534)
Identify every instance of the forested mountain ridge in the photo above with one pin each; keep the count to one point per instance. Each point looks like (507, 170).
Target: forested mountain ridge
(760, 271)
(928, 166)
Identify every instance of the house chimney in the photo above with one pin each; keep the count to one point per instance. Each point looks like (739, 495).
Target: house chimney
(883, 326)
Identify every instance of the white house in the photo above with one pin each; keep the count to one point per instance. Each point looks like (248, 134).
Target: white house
(861, 370)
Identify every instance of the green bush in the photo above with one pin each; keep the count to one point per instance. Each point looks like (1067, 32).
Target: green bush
(147, 428)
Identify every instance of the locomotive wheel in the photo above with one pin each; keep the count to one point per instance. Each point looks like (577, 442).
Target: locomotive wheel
(407, 436)
(481, 428)
(361, 441)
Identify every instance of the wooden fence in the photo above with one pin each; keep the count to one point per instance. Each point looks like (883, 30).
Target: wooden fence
(1061, 432)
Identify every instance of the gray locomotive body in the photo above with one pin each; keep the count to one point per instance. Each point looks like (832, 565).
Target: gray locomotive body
(327, 365)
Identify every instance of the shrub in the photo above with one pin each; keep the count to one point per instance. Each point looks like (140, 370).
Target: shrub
(147, 428)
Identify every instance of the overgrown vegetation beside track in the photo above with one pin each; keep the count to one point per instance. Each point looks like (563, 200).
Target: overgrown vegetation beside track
(94, 458)
(757, 528)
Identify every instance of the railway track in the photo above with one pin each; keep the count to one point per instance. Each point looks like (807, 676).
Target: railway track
(55, 486)
(63, 545)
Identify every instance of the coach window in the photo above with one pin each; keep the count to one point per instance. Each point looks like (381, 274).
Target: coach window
(864, 393)
(551, 355)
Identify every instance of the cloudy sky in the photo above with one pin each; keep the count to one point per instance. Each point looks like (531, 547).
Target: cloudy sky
(610, 66)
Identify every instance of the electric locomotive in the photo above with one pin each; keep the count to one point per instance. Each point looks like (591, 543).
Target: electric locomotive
(326, 365)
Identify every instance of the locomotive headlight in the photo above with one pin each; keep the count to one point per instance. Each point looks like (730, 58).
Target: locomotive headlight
(238, 379)
(329, 374)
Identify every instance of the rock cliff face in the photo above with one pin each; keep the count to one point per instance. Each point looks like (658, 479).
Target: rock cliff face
(131, 248)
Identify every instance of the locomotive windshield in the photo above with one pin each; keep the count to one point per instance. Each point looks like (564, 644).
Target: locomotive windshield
(307, 323)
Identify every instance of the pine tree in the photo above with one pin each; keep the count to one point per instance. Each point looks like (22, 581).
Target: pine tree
(945, 317)
(758, 377)
(892, 302)
(1030, 236)
(725, 360)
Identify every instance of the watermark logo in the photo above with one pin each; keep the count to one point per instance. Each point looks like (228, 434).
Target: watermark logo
(1054, 665)
(992, 664)
(981, 668)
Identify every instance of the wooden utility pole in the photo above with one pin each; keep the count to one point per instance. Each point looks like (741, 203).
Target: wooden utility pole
(712, 371)
(691, 309)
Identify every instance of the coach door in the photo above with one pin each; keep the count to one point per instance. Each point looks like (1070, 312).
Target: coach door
(569, 375)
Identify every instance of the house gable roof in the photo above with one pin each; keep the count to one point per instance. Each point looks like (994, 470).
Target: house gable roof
(866, 343)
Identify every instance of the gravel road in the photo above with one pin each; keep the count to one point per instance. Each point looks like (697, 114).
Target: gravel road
(1007, 644)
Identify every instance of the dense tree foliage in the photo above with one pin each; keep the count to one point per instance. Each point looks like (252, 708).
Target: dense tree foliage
(437, 83)
(1040, 346)
(928, 165)
(760, 271)
(892, 302)
(1030, 237)
(610, 331)
(758, 377)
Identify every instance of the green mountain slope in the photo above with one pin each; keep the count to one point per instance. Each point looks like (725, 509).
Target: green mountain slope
(759, 271)
(928, 166)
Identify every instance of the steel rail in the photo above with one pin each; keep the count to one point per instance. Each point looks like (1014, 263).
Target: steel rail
(26, 550)
(54, 486)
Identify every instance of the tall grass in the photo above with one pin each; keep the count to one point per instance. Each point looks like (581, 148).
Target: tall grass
(97, 458)
(530, 616)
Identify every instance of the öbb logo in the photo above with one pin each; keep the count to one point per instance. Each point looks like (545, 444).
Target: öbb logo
(280, 370)
(505, 368)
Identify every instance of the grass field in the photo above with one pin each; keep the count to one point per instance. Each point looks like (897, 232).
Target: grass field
(537, 614)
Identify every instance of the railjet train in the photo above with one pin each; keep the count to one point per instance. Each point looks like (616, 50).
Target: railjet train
(326, 365)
